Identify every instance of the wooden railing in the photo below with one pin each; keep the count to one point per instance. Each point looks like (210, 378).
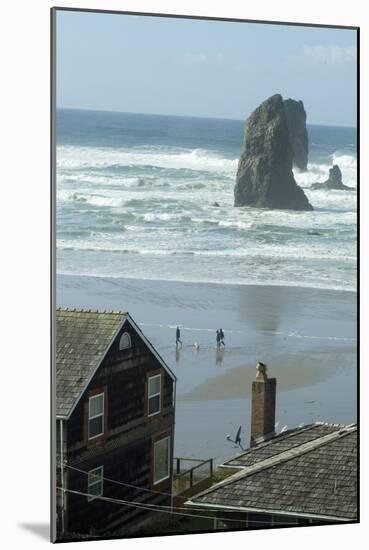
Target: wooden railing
(191, 475)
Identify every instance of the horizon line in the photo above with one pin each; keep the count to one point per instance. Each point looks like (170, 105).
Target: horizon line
(188, 116)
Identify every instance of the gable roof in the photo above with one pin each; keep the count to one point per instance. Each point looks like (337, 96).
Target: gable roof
(83, 337)
(309, 472)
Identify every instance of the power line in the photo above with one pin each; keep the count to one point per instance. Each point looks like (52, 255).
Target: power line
(141, 489)
(142, 506)
(122, 482)
(153, 507)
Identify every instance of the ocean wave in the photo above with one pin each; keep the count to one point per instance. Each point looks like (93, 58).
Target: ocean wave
(235, 224)
(91, 179)
(165, 216)
(274, 252)
(113, 199)
(86, 198)
(208, 279)
(71, 157)
(152, 210)
(344, 160)
(318, 172)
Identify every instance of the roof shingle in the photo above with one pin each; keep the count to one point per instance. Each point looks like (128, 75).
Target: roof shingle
(312, 471)
(82, 338)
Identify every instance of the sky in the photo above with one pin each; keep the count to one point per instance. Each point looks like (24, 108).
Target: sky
(143, 64)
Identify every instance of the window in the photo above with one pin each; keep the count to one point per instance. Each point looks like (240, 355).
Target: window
(161, 460)
(154, 394)
(95, 483)
(125, 341)
(95, 416)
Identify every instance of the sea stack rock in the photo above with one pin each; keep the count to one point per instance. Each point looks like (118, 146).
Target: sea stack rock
(296, 122)
(264, 176)
(333, 182)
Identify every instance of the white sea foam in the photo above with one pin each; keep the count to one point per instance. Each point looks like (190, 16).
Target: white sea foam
(92, 179)
(320, 172)
(164, 197)
(83, 196)
(261, 280)
(70, 157)
(262, 252)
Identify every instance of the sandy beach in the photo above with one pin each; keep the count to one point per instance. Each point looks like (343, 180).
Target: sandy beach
(306, 336)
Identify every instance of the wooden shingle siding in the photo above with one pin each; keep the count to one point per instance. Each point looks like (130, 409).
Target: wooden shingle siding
(125, 449)
(125, 465)
(126, 390)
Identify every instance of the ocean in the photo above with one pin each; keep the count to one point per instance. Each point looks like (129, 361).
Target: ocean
(137, 227)
(136, 195)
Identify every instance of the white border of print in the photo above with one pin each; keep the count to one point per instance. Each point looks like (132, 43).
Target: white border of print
(25, 230)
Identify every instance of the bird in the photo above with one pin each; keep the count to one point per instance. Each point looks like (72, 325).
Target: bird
(197, 346)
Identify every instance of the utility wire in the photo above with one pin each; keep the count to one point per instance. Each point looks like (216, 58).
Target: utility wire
(121, 482)
(153, 507)
(145, 490)
(142, 506)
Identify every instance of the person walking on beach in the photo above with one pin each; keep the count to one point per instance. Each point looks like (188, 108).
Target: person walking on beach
(221, 337)
(178, 336)
(218, 338)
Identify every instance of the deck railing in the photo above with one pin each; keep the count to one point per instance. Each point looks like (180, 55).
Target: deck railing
(190, 474)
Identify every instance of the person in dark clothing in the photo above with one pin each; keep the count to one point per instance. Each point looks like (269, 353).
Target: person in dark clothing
(178, 336)
(218, 338)
(221, 337)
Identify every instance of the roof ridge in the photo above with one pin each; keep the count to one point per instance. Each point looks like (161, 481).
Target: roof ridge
(285, 435)
(83, 310)
(245, 471)
(75, 331)
(268, 442)
(334, 424)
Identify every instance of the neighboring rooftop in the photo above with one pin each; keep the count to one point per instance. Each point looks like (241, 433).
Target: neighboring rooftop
(284, 442)
(310, 471)
(82, 339)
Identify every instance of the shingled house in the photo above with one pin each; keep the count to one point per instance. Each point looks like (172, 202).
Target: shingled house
(115, 404)
(301, 476)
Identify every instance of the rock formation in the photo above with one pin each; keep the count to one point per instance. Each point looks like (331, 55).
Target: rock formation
(333, 182)
(264, 175)
(296, 122)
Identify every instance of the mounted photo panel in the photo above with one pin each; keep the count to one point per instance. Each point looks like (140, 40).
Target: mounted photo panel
(204, 315)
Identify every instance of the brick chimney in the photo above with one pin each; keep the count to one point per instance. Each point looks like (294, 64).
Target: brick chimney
(262, 406)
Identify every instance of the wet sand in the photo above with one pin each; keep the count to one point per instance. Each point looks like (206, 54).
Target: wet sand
(306, 336)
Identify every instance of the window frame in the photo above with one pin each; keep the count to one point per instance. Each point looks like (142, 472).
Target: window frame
(90, 498)
(125, 333)
(102, 414)
(151, 377)
(167, 437)
(96, 440)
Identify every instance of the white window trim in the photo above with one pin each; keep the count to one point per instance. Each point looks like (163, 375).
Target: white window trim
(154, 395)
(96, 415)
(129, 339)
(168, 475)
(101, 481)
